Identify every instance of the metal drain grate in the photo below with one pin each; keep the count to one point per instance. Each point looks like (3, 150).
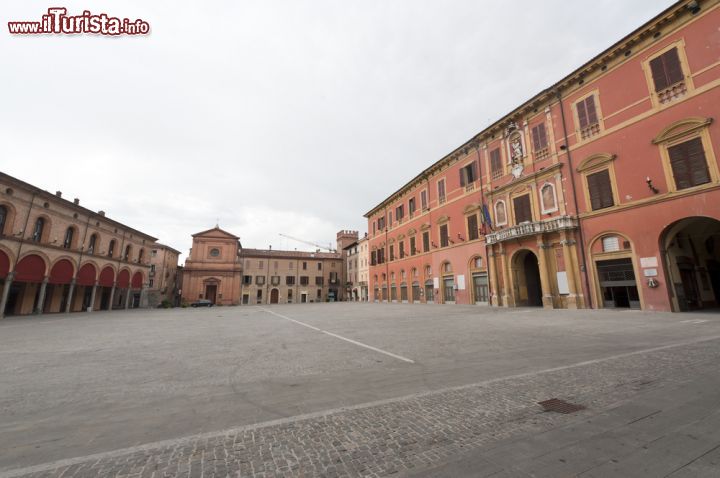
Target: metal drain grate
(560, 406)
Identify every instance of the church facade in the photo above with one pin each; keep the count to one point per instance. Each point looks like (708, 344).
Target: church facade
(220, 270)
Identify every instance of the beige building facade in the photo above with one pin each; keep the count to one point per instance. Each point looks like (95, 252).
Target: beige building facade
(163, 276)
(58, 256)
(363, 258)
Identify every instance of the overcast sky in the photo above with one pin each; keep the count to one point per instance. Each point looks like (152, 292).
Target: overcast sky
(271, 117)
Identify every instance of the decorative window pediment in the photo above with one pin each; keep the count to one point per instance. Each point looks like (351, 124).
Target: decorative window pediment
(471, 208)
(411, 232)
(681, 128)
(594, 160)
(425, 226)
(443, 219)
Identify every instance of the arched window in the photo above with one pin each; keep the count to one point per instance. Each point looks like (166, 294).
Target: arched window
(111, 248)
(38, 231)
(140, 255)
(3, 219)
(67, 243)
(127, 253)
(92, 244)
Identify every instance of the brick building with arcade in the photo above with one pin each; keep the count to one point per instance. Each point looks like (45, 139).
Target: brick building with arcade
(57, 256)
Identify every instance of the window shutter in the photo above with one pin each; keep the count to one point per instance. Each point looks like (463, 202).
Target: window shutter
(658, 73)
(673, 70)
(495, 162)
(542, 136)
(590, 107)
(600, 190)
(474, 171)
(582, 114)
(463, 179)
(523, 211)
(536, 138)
(688, 164)
(666, 70)
(472, 224)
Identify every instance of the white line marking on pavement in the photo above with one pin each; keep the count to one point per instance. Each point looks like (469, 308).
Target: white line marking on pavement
(360, 344)
(693, 321)
(174, 442)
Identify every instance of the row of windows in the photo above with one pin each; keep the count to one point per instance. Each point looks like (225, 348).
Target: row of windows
(687, 163)
(291, 265)
(40, 234)
(259, 296)
(668, 80)
(290, 280)
(445, 268)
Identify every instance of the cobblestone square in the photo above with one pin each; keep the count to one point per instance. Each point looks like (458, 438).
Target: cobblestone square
(338, 389)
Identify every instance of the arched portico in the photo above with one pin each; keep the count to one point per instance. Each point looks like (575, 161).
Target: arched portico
(691, 260)
(525, 274)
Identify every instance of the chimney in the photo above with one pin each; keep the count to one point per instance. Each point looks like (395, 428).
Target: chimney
(76, 201)
(102, 213)
(58, 194)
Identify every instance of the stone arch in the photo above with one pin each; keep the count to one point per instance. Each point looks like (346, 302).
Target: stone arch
(609, 262)
(690, 254)
(107, 276)
(87, 274)
(62, 271)
(525, 278)
(32, 267)
(137, 280)
(123, 278)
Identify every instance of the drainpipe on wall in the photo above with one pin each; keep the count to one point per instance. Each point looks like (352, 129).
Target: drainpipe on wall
(583, 266)
(386, 257)
(482, 218)
(73, 282)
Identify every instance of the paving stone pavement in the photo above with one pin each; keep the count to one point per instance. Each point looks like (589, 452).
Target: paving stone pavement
(399, 435)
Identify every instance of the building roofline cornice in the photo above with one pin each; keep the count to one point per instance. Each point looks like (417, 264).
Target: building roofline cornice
(549, 95)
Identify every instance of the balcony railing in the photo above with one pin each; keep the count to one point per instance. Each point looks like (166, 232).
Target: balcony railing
(590, 131)
(672, 92)
(532, 228)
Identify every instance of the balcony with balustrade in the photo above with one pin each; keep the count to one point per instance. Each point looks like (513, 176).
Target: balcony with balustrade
(560, 223)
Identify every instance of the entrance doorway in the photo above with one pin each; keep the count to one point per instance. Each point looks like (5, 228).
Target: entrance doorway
(480, 288)
(429, 292)
(303, 297)
(692, 263)
(449, 290)
(528, 291)
(211, 292)
(274, 296)
(617, 284)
